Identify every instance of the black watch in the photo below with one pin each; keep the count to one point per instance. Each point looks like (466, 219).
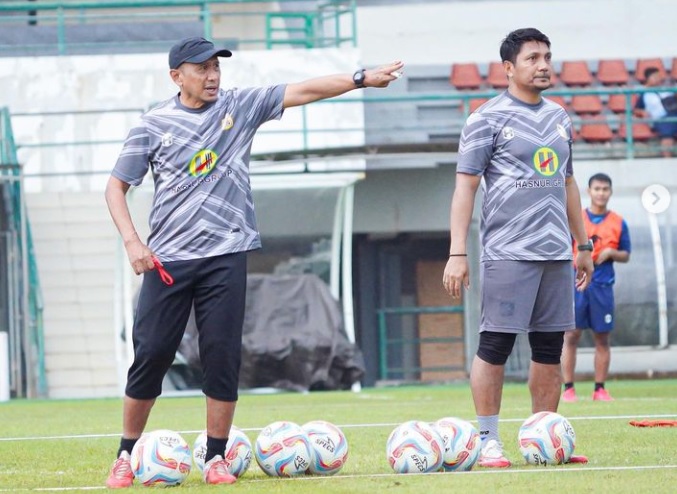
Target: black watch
(358, 78)
(586, 246)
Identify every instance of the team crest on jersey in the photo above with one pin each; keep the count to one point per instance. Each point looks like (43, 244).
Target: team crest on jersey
(562, 131)
(508, 133)
(202, 163)
(546, 161)
(167, 139)
(227, 122)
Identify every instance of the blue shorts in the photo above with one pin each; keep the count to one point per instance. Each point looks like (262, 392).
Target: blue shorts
(595, 308)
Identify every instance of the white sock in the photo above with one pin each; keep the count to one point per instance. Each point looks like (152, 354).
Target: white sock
(488, 427)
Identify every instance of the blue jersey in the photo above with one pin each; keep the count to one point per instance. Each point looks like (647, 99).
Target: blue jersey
(604, 273)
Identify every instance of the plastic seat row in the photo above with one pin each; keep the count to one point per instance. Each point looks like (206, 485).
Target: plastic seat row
(466, 76)
(584, 104)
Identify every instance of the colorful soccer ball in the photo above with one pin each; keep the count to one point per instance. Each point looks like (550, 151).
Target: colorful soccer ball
(546, 438)
(161, 458)
(282, 450)
(328, 445)
(238, 451)
(461, 443)
(415, 447)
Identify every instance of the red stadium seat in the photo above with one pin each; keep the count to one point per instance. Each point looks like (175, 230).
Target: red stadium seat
(474, 104)
(559, 100)
(612, 72)
(575, 74)
(465, 76)
(640, 131)
(586, 104)
(645, 63)
(496, 77)
(596, 129)
(616, 102)
(673, 70)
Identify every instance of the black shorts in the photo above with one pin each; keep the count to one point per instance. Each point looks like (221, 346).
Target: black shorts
(216, 286)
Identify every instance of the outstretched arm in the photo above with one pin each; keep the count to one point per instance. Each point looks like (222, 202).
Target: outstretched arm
(301, 93)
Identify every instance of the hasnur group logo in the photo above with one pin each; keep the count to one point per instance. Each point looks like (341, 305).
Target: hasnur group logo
(202, 163)
(546, 161)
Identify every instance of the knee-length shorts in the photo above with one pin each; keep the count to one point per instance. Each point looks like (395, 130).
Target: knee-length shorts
(216, 288)
(524, 296)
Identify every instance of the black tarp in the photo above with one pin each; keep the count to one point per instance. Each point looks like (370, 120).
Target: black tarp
(293, 339)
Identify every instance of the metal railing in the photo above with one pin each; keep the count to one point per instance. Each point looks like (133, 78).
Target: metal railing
(413, 344)
(23, 299)
(61, 28)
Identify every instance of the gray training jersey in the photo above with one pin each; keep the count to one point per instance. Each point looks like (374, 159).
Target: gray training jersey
(199, 159)
(523, 153)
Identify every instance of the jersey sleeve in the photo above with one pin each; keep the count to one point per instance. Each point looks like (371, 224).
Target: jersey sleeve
(570, 161)
(132, 164)
(624, 242)
(263, 103)
(476, 146)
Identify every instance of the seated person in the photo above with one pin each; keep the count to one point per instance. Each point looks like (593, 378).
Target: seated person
(656, 106)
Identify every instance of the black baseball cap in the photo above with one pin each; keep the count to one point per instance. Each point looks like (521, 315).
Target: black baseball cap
(194, 50)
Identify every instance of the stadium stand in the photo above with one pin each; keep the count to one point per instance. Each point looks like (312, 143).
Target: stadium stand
(586, 104)
(596, 129)
(612, 72)
(496, 77)
(645, 63)
(640, 131)
(576, 73)
(617, 102)
(465, 76)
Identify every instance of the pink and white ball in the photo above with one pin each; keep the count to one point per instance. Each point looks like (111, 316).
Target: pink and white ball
(461, 444)
(329, 447)
(161, 458)
(546, 438)
(414, 447)
(282, 449)
(238, 453)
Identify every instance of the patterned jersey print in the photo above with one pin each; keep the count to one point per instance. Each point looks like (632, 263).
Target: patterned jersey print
(523, 152)
(199, 159)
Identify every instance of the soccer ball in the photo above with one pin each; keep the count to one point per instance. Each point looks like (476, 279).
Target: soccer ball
(238, 454)
(546, 438)
(282, 449)
(416, 447)
(162, 458)
(461, 443)
(329, 447)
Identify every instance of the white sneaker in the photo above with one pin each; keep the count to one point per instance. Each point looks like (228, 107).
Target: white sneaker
(491, 455)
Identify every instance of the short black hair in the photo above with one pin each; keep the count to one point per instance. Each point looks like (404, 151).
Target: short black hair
(600, 177)
(512, 43)
(649, 71)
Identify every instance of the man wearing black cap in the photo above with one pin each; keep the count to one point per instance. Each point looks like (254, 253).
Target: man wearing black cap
(197, 145)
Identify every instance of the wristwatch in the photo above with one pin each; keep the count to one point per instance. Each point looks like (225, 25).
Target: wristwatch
(358, 78)
(586, 246)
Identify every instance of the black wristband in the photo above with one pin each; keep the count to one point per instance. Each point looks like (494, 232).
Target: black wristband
(458, 255)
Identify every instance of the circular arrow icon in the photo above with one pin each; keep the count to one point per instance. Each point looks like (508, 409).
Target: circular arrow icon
(656, 198)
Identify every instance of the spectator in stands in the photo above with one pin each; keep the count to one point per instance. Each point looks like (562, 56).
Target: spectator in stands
(520, 143)
(657, 106)
(595, 305)
(197, 146)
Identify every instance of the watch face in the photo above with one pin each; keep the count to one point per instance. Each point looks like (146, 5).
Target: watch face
(358, 78)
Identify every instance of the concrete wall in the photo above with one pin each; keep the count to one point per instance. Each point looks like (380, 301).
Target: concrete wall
(471, 31)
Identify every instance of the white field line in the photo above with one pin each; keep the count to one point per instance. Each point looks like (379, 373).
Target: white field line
(346, 426)
(310, 478)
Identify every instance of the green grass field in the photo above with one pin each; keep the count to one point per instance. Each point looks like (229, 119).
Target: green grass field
(69, 445)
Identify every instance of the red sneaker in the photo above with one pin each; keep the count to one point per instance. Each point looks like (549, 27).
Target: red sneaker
(121, 474)
(569, 395)
(216, 472)
(578, 459)
(601, 395)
